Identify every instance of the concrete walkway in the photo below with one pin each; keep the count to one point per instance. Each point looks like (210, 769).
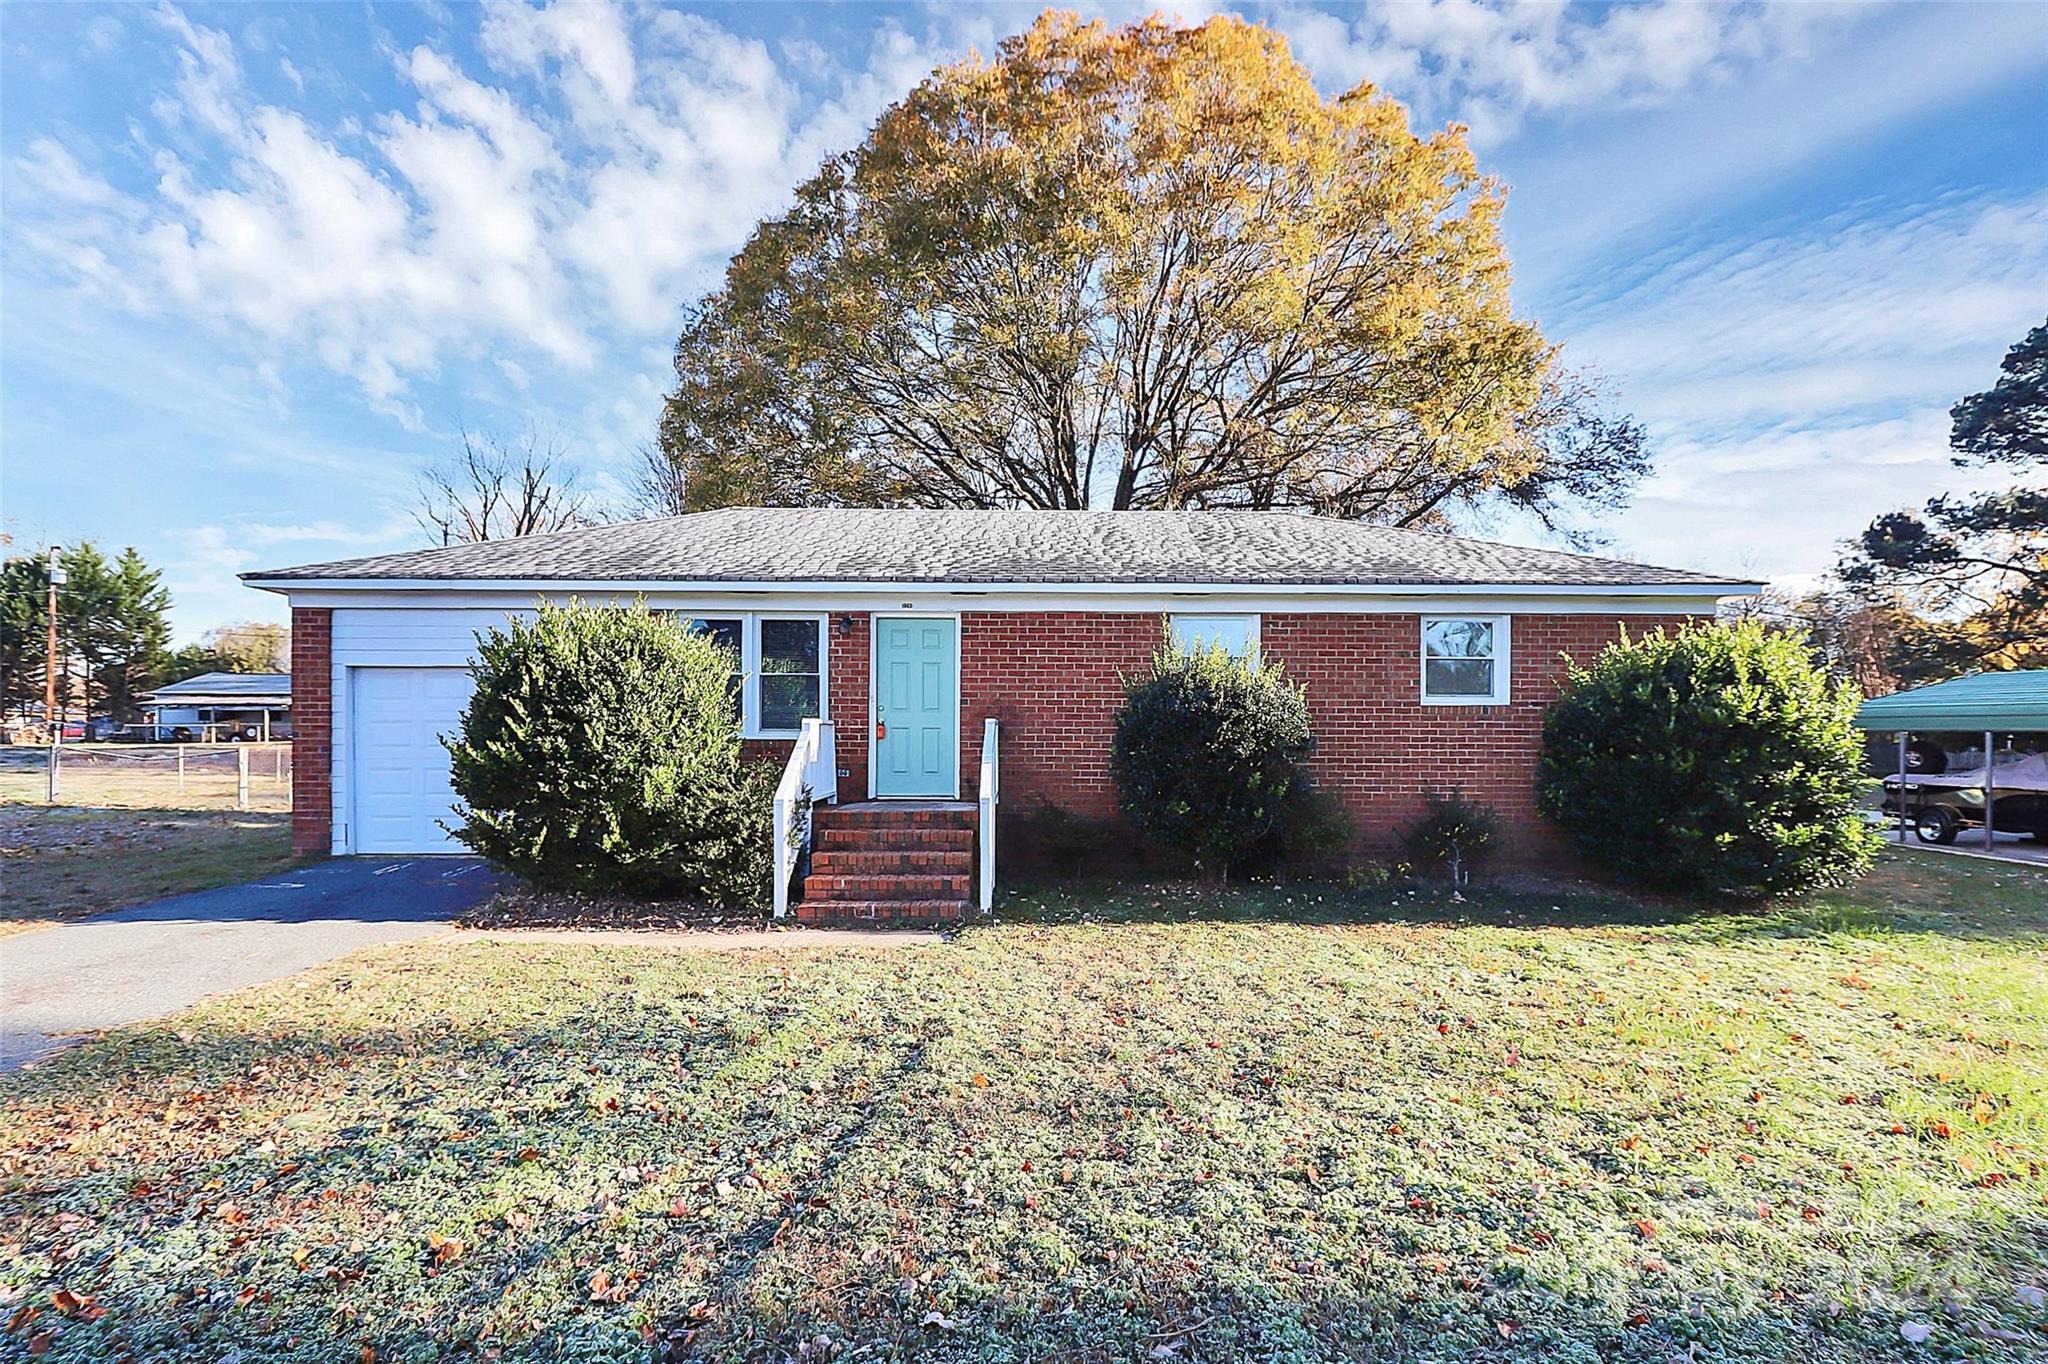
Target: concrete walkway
(156, 959)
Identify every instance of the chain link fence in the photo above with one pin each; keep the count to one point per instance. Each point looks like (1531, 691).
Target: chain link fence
(253, 776)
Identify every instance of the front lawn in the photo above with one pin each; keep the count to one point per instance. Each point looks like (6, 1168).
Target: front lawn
(1166, 1125)
(58, 864)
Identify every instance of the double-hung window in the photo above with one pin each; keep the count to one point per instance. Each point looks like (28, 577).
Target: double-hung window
(791, 653)
(729, 633)
(779, 669)
(1465, 660)
(1239, 635)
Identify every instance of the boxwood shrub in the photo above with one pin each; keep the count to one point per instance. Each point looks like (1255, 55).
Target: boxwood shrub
(1207, 757)
(1716, 760)
(601, 752)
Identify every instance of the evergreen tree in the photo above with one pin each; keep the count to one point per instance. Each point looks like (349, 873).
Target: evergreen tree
(24, 597)
(135, 636)
(113, 634)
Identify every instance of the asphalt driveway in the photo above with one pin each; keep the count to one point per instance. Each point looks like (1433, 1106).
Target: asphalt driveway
(156, 959)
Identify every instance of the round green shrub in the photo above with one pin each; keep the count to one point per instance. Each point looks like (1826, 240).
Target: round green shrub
(1207, 756)
(600, 752)
(1711, 761)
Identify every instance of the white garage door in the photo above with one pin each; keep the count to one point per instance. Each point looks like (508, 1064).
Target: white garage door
(398, 771)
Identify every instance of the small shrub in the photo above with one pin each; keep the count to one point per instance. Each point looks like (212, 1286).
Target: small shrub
(1316, 831)
(1454, 833)
(1375, 875)
(1712, 761)
(1063, 841)
(600, 752)
(1207, 755)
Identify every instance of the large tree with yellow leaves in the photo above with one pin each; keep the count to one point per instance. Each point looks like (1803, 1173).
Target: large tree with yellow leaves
(1147, 267)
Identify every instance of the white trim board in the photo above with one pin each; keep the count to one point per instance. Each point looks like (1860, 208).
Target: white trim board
(839, 587)
(714, 599)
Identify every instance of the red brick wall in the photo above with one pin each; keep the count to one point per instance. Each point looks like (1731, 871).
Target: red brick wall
(312, 730)
(1052, 682)
(847, 679)
(1380, 748)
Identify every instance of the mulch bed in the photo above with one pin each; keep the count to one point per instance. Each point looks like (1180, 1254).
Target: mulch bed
(555, 910)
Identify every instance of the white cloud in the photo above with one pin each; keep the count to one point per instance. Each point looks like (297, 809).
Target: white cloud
(1796, 385)
(56, 174)
(1492, 65)
(102, 35)
(1777, 501)
(588, 41)
(209, 80)
(1877, 305)
(263, 534)
(619, 158)
(1593, 191)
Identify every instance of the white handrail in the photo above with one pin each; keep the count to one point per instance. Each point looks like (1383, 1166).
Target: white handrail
(991, 782)
(813, 767)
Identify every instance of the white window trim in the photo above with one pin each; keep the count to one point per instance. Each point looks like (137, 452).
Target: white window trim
(1503, 661)
(750, 664)
(1250, 619)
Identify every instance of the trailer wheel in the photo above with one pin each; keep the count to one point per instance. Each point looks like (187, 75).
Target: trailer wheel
(1936, 824)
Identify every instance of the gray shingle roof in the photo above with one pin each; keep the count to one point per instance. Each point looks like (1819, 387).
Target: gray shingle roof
(803, 544)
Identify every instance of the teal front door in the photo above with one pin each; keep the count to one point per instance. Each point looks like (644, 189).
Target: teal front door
(917, 706)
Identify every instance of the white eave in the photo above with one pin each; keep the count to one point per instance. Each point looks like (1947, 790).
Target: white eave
(854, 587)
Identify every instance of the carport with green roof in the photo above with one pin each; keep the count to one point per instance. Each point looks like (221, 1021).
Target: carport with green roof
(1987, 703)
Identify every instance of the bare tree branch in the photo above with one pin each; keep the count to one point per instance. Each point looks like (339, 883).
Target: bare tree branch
(658, 483)
(491, 490)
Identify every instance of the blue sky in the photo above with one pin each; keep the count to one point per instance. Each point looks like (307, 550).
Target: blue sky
(259, 262)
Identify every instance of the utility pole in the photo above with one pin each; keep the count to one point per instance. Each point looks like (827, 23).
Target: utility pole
(56, 726)
(50, 671)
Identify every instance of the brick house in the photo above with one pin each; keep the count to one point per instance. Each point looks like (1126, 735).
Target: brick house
(1428, 659)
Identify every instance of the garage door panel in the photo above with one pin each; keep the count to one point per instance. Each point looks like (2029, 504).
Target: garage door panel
(399, 768)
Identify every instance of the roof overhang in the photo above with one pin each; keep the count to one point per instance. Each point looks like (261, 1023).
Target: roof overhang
(861, 587)
(2000, 703)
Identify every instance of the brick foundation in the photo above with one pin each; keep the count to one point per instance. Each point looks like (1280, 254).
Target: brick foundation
(312, 730)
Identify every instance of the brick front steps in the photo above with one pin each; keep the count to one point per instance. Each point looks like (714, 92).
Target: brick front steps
(888, 863)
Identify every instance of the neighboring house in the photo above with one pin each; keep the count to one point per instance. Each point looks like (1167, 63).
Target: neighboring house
(1428, 659)
(225, 706)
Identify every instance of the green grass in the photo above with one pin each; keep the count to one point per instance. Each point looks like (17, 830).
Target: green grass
(61, 864)
(209, 787)
(1170, 1124)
